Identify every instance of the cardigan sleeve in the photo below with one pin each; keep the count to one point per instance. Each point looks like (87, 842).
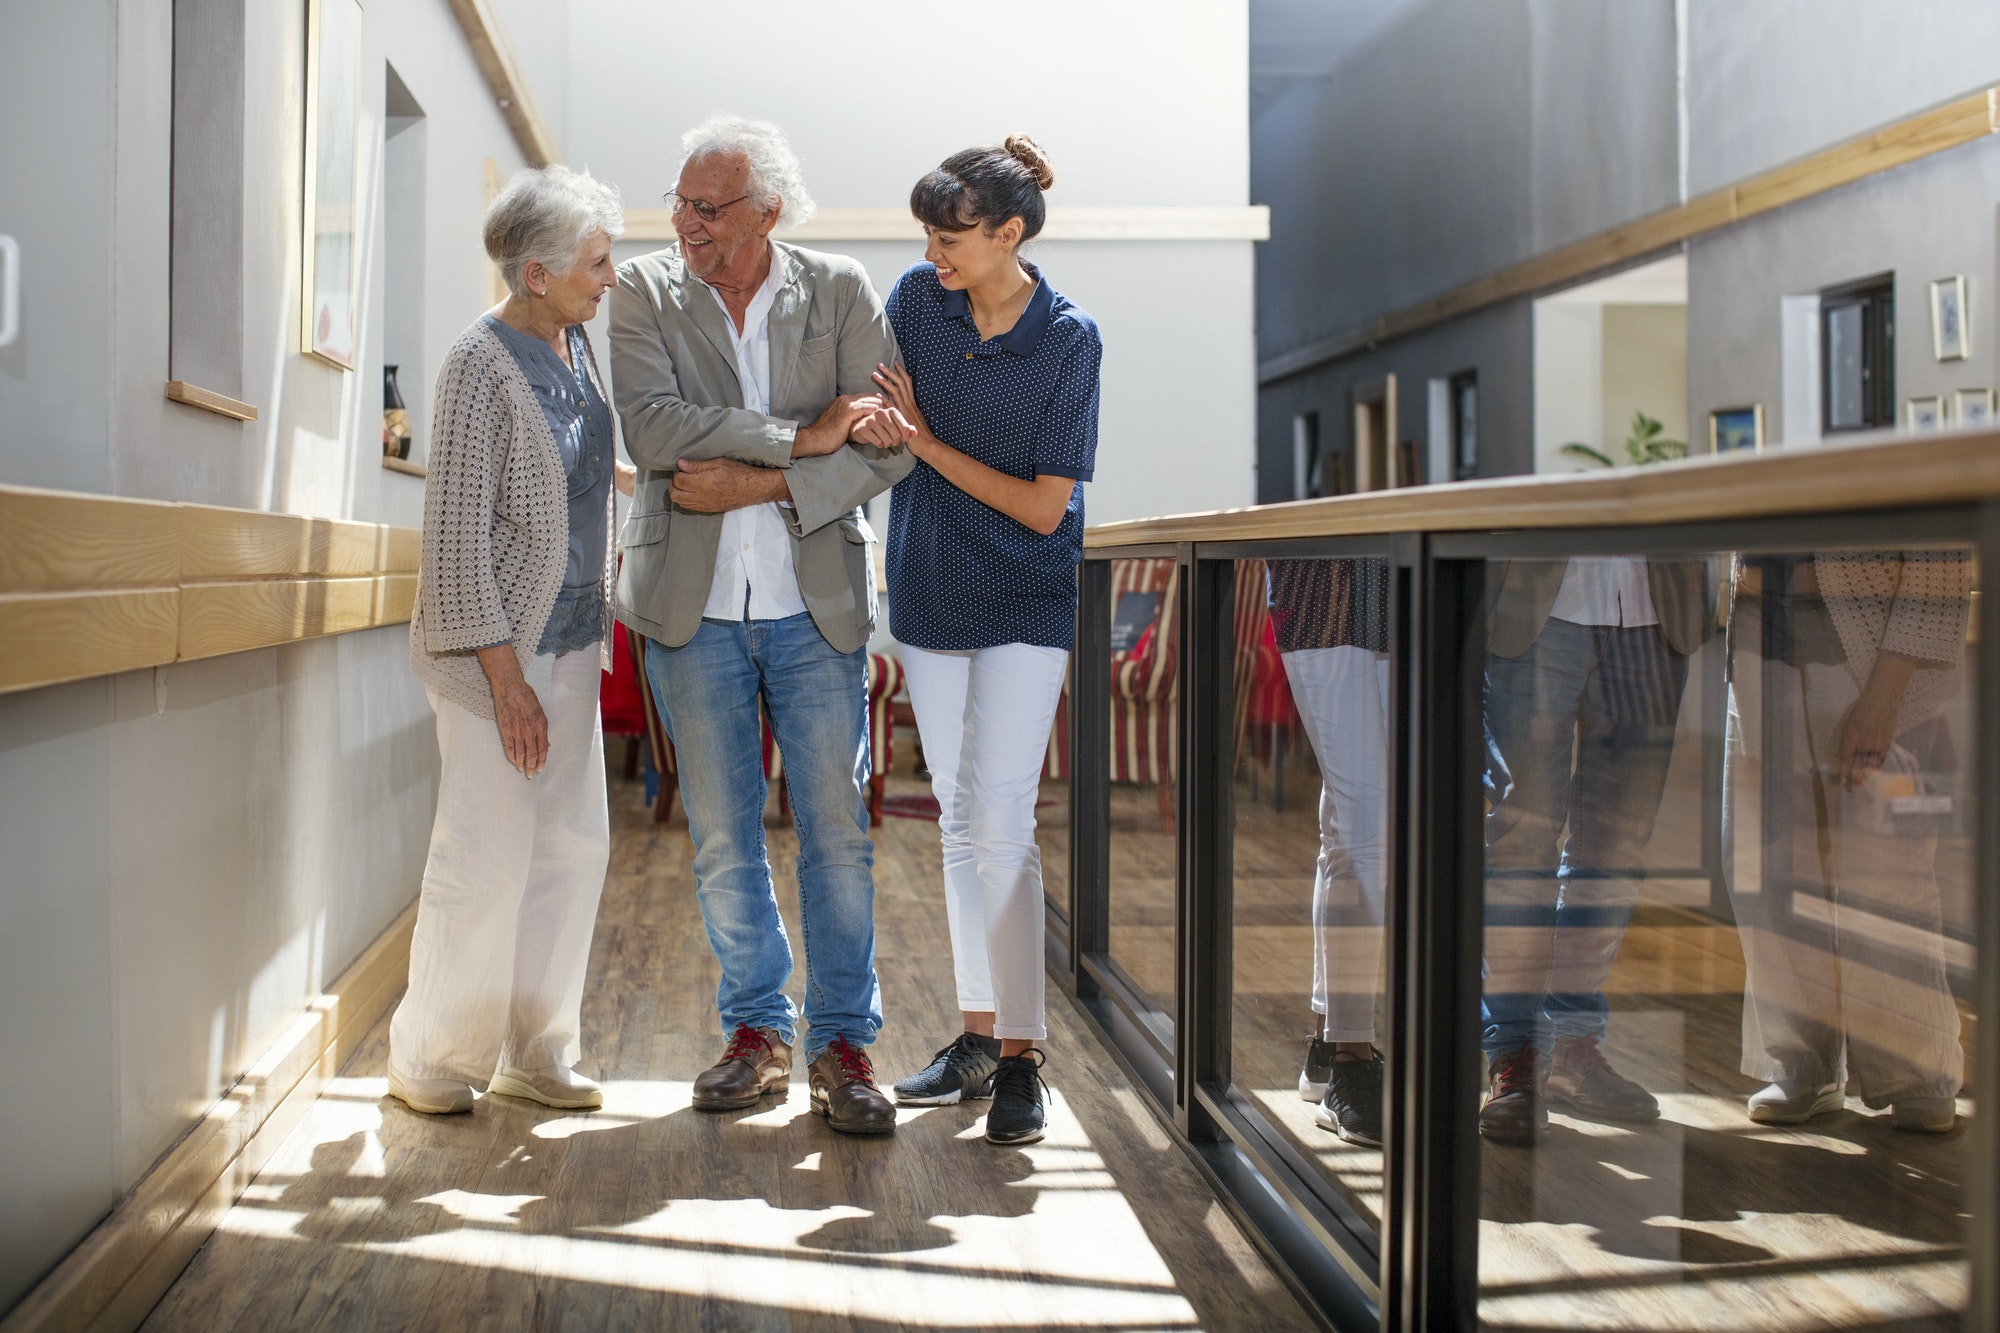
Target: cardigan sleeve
(470, 431)
(1928, 613)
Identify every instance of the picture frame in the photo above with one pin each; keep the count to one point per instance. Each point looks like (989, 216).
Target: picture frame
(329, 289)
(1951, 319)
(1926, 414)
(1974, 408)
(1736, 429)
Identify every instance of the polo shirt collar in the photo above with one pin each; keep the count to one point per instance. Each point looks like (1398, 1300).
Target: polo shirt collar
(1027, 332)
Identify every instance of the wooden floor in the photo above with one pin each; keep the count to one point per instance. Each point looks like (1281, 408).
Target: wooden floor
(650, 1215)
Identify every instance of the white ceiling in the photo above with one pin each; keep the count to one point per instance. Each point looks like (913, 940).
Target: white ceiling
(1298, 39)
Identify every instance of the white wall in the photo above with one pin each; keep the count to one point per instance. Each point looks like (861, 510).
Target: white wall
(1136, 108)
(190, 853)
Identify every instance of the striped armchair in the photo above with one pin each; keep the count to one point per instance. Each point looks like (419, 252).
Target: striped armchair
(1145, 678)
(885, 679)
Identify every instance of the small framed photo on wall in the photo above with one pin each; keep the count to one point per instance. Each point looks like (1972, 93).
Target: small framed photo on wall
(1975, 408)
(1951, 320)
(1925, 414)
(1736, 429)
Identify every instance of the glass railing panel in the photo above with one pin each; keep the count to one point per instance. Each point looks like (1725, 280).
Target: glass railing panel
(1144, 764)
(1728, 940)
(1311, 862)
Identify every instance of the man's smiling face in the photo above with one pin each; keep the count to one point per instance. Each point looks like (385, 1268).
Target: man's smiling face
(723, 246)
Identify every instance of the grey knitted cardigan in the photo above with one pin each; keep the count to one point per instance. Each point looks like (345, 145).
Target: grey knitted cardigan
(496, 522)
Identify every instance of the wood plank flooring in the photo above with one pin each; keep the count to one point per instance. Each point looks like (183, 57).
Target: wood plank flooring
(649, 1215)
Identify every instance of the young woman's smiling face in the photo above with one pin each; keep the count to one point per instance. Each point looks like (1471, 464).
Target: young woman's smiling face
(974, 256)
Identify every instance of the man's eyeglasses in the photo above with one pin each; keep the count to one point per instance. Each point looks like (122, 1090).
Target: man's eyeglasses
(704, 210)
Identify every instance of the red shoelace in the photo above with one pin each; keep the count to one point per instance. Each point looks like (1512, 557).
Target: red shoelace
(746, 1043)
(852, 1062)
(1517, 1073)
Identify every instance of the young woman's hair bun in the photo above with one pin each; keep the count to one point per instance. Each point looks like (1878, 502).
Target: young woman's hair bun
(1030, 155)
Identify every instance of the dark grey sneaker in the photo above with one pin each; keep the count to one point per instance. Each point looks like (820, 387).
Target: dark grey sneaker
(961, 1070)
(1312, 1074)
(1020, 1100)
(1352, 1106)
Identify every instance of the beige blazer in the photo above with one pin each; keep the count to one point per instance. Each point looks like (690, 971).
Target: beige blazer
(673, 374)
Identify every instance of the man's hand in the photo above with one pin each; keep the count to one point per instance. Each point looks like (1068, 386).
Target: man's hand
(718, 485)
(832, 428)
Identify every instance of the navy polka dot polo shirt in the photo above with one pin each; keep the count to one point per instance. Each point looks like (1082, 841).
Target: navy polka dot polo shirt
(963, 575)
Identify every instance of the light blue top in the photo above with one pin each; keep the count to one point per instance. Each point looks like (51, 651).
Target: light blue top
(580, 420)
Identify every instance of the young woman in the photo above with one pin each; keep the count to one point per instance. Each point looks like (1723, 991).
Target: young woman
(999, 378)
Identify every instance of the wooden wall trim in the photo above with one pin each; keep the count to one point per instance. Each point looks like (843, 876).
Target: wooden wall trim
(91, 585)
(507, 81)
(1819, 479)
(1957, 122)
(208, 400)
(113, 1279)
(1247, 223)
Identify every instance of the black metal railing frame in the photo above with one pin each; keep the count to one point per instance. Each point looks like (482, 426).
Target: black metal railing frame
(1421, 1271)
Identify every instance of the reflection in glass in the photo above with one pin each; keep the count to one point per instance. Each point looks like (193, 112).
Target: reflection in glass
(1311, 865)
(1690, 1117)
(1145, 756)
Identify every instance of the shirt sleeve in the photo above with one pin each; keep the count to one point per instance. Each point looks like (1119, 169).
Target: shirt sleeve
(1066, 444)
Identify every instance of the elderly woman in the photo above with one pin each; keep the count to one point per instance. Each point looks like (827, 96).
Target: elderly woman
(508, 635)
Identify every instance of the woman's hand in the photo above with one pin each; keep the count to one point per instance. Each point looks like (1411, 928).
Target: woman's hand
(627, 478)
(1869, 728)
(517, 712)
(902, 395)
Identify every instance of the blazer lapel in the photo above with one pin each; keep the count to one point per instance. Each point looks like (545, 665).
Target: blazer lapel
(698, 303)
(788, 329)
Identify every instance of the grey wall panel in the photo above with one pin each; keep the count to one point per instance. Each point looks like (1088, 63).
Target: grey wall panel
(1472, 135)
(57, 1173)
(1931, 219)
(1497, 343)
(1777, 79)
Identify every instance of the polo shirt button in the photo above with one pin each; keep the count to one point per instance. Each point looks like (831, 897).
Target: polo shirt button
(968, 356)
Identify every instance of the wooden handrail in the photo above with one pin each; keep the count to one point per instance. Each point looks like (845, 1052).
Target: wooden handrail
(91, 585)
(1823, 479)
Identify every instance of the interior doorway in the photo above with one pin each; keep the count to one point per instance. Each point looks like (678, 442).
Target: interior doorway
(1605, 353)
(1375, 434)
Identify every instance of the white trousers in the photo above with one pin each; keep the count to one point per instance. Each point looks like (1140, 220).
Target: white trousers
(510, 890)
(1832, 988)
(984, 716)
(1343, 698)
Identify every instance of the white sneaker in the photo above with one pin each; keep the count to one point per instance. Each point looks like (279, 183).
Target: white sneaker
(432, 1096)
(1931, 1115)
(1793, 1103)
(558, 1086)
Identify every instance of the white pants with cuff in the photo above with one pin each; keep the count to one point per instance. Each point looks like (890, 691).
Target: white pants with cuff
(985, 716)
(510, 891)
(1342, 696)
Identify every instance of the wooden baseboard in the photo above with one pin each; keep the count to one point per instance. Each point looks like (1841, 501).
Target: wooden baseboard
(113, 1279)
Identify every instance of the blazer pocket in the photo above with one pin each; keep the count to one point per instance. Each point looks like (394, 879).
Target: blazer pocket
(821, 344)
(644, 529)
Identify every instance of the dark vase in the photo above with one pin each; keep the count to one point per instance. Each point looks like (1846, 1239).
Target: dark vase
(395, 420)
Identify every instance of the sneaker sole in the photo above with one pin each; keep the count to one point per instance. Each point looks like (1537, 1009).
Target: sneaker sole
(1015, 1140)
(511, 1087)
(952, 1098)
(1331, 1124)
(1777, 1115)
(1310, 1091)
(402, 1094)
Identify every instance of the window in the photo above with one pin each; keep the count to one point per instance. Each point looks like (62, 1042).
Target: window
(1465, 424)
(1858, 355)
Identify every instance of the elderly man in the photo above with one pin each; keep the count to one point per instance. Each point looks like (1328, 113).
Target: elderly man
(741, 367)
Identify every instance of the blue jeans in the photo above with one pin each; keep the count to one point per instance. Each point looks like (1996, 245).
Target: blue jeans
(817, 699)
(1556, 907)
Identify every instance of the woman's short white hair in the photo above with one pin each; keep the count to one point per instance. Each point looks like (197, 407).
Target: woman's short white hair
(775, 177)
(544, 215)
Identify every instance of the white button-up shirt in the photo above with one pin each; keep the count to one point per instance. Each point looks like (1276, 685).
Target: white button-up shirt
(755, 578)
(1606, 590)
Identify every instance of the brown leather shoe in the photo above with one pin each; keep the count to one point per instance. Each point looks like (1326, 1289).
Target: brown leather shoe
(843, 1090)
(756, 1061)
(1582, 1082)
(1515, 1111)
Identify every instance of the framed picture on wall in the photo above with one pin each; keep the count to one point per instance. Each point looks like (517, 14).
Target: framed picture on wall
(1951, 320)
(329, 297)
(1925, 414)
(1975, 407)
(1733, 429)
